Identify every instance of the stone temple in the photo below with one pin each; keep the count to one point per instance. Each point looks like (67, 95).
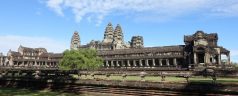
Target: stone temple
(199, 51)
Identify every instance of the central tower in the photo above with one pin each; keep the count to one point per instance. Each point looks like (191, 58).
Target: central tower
(75, 41)
(108, 35)
(118, 39)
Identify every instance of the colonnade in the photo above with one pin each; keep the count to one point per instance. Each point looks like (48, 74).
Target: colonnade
(210, 59)
(35, 64)
(141, 63)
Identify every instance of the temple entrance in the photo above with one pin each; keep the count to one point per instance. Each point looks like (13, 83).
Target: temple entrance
(201, 58)
(201, 55)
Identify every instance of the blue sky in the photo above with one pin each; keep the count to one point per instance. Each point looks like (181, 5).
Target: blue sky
(51, 23)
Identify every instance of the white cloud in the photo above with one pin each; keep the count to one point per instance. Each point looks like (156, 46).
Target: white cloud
(97, 9)
(13, 42)
(56, 6)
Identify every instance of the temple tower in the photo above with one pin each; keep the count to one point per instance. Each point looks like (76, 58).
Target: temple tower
(108, 35)
(137, 42)
(75, 41)
(118, 39)
(118, 35)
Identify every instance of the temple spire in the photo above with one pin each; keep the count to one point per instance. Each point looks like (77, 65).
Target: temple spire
(75, 41)
(118, 38)
(108, 35)
(118, 34)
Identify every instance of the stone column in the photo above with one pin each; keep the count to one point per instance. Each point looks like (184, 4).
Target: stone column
(123, 63)
(50, 63)
(219, 59)
(147, 63)
(160, 62)
(45, 64)
(104, 64)
(195, 58)
(112, 63)
(128, 63)
(117, 62)
(140, 61)
(28, 63)
(153, 60)
(167, 62)
(207, 58)
(15, 63)
(175, 61)
(134, 63)
(107, 64)
(34, 64)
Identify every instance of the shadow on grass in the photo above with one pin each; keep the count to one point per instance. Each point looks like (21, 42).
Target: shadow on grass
(205, 87)
(29, 92)
(37, 88)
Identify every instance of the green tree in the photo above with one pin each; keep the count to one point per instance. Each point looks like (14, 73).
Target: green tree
(82, 59)
(235, 65)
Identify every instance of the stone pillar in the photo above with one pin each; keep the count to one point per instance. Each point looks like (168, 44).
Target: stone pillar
(107, 64)
(128, 63)
(112, 63)
(117, 63)
(104, 64)
(134, 63)
(207, 58)
(167, 62)
(123, 63)
(34, 63)
(160, 62)
(147, 63)
(46, 64)
(153, 60)
(140, 61)
(195, 58)
(219, 59)
(175, 61)
(39, 63)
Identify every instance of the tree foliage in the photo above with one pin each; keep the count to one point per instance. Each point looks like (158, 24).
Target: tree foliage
(82, 59)
(235, 65)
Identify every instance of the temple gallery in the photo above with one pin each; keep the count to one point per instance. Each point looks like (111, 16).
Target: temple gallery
(199, 50)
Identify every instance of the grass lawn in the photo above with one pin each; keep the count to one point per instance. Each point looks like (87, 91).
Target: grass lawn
(27, 92)
(219, 80)
(158, 78)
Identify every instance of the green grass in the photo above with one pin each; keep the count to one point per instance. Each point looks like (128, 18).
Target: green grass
(27, 92)
(135, 78)
(158, 78)
(219, 80)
